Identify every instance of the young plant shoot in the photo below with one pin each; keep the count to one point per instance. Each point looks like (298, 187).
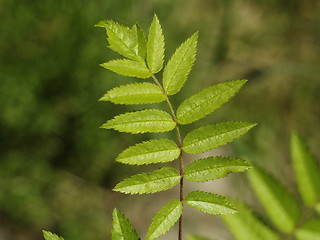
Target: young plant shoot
(143, 58)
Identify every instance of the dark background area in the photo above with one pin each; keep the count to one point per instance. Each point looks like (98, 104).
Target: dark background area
(57, 167)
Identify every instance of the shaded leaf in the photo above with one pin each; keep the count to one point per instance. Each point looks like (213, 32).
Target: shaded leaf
(165, 219)
(154, 151)
(214, 167)
(135, 93)
(150, 120)
(121, 39)
(155, 46)
(179, 66)
(281, 207)
(140, 47)
(209, 203)
(306, 170)
(156, 181)
(309, 231)
(121, 227)
(128, 68)
(213, 136)
(206, 101)
(245, 225)
(50, 236)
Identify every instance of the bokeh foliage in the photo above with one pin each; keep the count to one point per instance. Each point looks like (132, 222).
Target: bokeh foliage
(56, 166)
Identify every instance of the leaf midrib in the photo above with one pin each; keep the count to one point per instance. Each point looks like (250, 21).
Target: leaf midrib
(219, 167)
(178, 67)
(197, 105)
(148, 153)
(177, 176)
(167, 217)
(222, 135)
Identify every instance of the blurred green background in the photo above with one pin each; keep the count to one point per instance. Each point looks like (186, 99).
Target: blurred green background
(57, 167)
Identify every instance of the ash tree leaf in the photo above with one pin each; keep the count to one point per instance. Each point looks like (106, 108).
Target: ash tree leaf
(214, 167)
(207, 100)
(50, 236)
(140, 47)
(306, 169)
(309, 231)
(281, 207)
(245, 225)
(179, 66)
(197, 237)
(164, 219)
(121, 39)
(135, 93)
(212, 136)
(154, 151)
(155, 46)
(209, 203)
(128, 68)
(156, 181)
(150, 120)
(121, 227)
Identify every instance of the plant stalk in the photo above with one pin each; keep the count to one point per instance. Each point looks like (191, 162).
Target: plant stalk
(179, 139)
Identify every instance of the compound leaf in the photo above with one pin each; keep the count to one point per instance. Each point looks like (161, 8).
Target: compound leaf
(206, 101)
(306, 170)
(213, 136)
(281, 207)
(209, 203)
(309, 231)
(245, 225)
(121, 39)
(150, 120)
(128, 68)
(154, 151)
(50, 236)
(179, 66)
(135, 93)
(121, 227)
(155, 46)
(214, 167)
(164, 219)
(156, 181)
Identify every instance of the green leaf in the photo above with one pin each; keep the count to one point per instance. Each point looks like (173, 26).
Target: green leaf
(121, 227)
(135, 93)
(122, 39)
(179, 66)
(140, 40)
(214, 167)
(309, 231)
(213, 136)
(154, 151)
(156, 181)
(281, 207)
(50, 236)
(196, 237)
(209, 203)
(317, 208)
(150, 120)
(165, 219)
(306, 170)
(245, 225)
(155, 46)
(128, 67)
(208, 100)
